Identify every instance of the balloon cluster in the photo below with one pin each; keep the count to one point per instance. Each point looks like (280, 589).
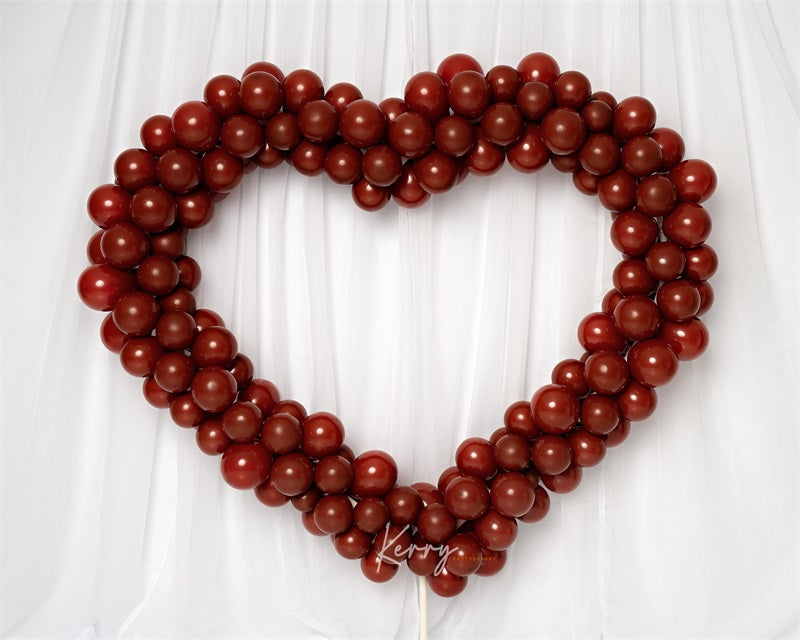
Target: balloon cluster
(449, 124)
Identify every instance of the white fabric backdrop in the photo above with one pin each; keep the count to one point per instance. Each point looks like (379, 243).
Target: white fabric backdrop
(417, 328)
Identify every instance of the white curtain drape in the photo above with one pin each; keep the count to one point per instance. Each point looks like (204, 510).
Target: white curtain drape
(416, 327)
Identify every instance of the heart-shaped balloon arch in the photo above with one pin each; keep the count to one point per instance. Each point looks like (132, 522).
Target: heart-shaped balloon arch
(452, 123)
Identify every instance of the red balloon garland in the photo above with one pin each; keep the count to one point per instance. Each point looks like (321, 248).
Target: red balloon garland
(449, 124)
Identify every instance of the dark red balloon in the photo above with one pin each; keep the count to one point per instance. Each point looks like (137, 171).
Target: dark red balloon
(456, 63)
(241, 422)
(158, 275)
(343, 164)
(512, 494)
(619, 434)
(631, 277)
(410, 134)
(599, 413)
(694, 180)
(529, 153)
(600, 154)
(636, 401)
(211, 439)
(404, 504)
(101, 285)
(135, 313)
(134, 169)
(283, 132)
(466, 497)
(464, 555)
(333, 474)
(376, 568)
(563, 130)
(436, 172)
(540, 508)
(706, 296)
(282, 433)
(504, 81)
(502, 124)
(195, 209)
(671, 145)
(637, 317)
(323, 435)
(588, 449)
(606, 372)
(368, 196)
(570, 373)
(701, 263)
(551, 454)
(245, 466)
(292, 474)
(393, 107)
(375, 474)
(540, 67)
(341, 94)
(362, 124)
(435, 523)
(156, 134)
(214, 389)
(655, 196)
(634, 116)
(426, 94)
(242, 136)
(492, 562)
(469, 94)
(428, 492)
(665, 261)
(267, 494)
(299, 87)
(155, 395)
(565, 481)
(688, 340)
(113, 339)
(678, 300)
(381, 165)
(689, 225)
(652, 362)
(454, 136)
(407, 191)
(617, 191)
(108, 205)
(598, 116)
(496, 531)
(641, 156)
(215, 346)
(555, 409)
(475, 456)
(371, 514)
(352, 544)
(179, 170)
(572, 89)
(512, 452)
(153, 209)
(597, 331)
(184, 411)
(195, 126)
(333, 514)
(485, 158)
(221, 93)
(633, 233)
(519, 420)
(447, 584)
